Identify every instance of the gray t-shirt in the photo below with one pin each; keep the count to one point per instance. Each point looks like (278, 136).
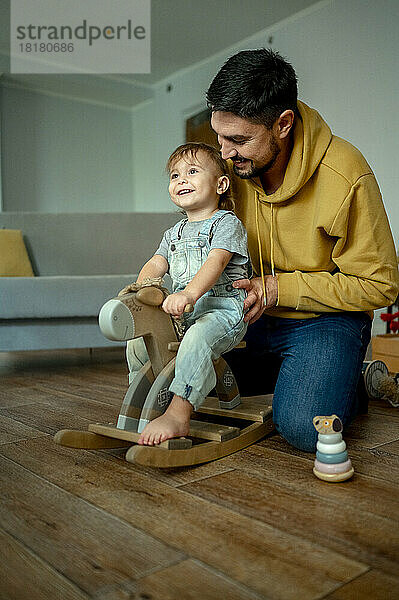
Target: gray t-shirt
(228, 234)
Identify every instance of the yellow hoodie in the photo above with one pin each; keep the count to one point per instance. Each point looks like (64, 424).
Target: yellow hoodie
(324, 230)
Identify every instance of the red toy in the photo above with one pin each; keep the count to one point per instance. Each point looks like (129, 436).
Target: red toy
(392, 319)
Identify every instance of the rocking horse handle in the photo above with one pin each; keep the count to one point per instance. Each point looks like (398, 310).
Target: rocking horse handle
(187, 309)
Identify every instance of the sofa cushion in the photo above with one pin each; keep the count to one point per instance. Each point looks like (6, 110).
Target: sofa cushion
(58, 296)
(14, 259)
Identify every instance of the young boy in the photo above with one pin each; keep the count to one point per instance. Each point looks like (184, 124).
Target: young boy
(204, 254)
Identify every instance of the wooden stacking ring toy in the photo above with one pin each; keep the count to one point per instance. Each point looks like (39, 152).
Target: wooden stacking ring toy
(332, 463)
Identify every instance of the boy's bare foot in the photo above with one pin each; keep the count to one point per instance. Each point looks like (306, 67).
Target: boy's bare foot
(175, 422)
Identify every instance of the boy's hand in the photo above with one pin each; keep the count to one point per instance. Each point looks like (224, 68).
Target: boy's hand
(175, 303)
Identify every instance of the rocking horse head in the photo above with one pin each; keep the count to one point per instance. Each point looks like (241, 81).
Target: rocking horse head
(139, 314)
(131, 315)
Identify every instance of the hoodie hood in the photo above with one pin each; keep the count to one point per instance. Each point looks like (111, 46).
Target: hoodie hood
(312, 136)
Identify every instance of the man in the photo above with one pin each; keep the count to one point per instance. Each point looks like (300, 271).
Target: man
(318, 237)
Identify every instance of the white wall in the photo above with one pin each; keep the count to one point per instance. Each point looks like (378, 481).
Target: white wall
(345, 55)
(64, 155)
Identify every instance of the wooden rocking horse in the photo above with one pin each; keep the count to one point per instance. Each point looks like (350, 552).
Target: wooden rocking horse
(220, 427)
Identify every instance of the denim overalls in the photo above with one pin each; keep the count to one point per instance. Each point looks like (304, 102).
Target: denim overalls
(215, 326)
(186, 255)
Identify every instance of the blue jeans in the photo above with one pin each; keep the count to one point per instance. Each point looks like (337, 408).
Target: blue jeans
(318, 360)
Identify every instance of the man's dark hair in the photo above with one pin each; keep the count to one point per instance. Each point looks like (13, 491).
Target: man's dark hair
(257, 85)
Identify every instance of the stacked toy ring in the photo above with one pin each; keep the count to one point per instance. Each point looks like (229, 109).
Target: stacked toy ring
(332, 462)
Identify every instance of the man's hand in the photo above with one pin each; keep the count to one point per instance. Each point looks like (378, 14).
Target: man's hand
(255, 300)
(175, 303)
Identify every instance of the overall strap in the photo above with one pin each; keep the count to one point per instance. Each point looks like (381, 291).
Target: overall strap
(216, 220)
(178, 229)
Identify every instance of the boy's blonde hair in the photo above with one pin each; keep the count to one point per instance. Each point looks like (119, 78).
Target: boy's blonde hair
(191, 149)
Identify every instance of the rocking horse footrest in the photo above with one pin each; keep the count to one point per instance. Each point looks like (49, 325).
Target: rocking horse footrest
(229, 404)
(254, 408)
(133, 436)
(198, 429)
(212, 431)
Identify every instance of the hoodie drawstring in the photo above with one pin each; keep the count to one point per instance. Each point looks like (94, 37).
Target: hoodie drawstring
(271, 239)
(260, 244)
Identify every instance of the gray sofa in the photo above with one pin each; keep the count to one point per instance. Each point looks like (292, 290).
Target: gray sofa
(80, 261)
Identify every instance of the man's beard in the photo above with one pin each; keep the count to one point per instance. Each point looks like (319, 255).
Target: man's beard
(258, 171)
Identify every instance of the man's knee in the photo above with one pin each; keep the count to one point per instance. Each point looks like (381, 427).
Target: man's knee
(297, 430)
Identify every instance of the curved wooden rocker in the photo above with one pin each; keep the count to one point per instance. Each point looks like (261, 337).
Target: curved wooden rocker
(230, 423)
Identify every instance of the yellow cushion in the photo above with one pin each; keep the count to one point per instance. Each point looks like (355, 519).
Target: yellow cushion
(14, 259)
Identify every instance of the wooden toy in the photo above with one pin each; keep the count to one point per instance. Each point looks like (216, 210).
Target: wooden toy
(379, 383)
(220, 427)
(332, 462)
(392, 319)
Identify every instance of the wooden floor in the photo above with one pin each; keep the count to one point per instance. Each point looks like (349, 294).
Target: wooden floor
(81, 524)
